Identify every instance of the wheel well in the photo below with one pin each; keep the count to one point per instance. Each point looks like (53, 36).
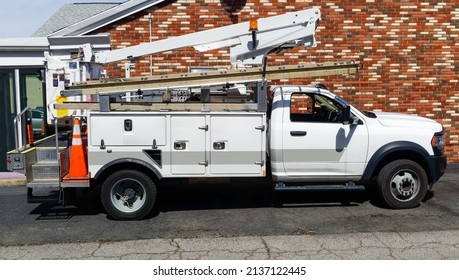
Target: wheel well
(401, 154)
(103, 174)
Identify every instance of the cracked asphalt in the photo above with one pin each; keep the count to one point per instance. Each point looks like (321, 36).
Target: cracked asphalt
(440, 245)
(239, 221)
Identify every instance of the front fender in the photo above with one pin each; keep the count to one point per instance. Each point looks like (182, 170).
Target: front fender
(393, 151)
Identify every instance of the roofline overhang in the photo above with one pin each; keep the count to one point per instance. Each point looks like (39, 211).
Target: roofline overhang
(107, 17)
(30, 52)
(24, 44)
(72, 42)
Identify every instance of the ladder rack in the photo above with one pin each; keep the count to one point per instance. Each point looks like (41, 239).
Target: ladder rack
(107, 88)
(212, 78)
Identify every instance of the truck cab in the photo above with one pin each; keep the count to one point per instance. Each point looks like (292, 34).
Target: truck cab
(317, 137)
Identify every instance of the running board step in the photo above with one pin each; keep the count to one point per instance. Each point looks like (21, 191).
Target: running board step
(281, 186)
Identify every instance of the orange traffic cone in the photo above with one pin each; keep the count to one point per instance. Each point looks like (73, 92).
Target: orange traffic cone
(30, 133)
(78, 169)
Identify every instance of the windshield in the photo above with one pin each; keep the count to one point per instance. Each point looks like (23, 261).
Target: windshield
(341, 101)
(344, 103)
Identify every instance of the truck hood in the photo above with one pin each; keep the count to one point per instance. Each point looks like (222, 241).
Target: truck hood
(405, 120)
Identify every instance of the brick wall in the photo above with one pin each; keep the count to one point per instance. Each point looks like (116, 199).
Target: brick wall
(301, 104)
(409, 49)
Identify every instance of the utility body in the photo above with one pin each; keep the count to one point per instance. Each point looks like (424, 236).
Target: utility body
(233, 124)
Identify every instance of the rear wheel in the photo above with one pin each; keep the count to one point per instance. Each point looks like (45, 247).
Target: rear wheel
(128, 195)
(402, 184)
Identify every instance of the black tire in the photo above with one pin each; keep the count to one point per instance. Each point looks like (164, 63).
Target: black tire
(402, 184)
(128, 195)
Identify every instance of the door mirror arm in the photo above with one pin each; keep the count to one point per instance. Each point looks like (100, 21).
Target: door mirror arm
(354, 120)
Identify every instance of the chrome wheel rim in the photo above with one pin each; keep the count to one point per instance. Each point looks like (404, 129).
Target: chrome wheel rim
(128, 195)
(404, 185)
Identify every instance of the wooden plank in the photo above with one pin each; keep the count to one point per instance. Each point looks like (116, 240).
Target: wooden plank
(77, 106)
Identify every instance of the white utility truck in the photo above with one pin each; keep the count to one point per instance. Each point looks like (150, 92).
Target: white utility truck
(141, 132)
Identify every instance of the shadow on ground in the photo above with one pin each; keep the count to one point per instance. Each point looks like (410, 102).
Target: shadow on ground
(240, 193)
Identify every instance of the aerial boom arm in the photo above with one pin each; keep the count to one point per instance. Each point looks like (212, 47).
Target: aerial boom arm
(297, 28)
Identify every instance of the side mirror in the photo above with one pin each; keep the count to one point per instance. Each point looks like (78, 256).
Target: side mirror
(348, 118)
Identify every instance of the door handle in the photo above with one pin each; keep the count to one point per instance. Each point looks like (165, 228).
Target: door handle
(219, 145)
(298, 133)
(180, 145)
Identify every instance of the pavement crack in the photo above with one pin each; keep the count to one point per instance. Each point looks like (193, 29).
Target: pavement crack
(99, 245)
(178, 250)
(266, 247)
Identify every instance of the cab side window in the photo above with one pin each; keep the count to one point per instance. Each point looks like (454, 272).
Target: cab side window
(301, 107)
(314, 108)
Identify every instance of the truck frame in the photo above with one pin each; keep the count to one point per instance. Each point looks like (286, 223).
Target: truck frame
(140, 132)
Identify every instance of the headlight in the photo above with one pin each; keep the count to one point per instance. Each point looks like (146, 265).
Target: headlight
(438, 143)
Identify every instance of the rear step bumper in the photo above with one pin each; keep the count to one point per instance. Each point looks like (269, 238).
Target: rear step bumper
(63, 196)
(44, 195)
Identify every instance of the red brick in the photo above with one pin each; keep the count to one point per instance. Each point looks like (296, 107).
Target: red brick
(429, 82)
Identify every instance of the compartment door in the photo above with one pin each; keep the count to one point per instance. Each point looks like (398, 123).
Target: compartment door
(188, 147)
(236, 145)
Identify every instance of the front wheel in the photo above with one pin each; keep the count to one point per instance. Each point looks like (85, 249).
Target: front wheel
(128, 195)
(402, 184)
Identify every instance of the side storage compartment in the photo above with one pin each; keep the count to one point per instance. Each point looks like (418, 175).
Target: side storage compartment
(218, 144)
(187, 144)
(127, 137)
(127, 129)
(188, 137)
(237, 145)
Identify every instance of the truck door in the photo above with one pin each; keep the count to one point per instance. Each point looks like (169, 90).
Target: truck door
(237, 145)
(316, 144)
(188, 136)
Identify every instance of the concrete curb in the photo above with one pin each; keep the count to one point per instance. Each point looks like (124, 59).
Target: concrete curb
(12, 179)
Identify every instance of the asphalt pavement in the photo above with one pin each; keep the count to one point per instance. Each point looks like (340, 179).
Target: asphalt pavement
(441, 245)
(304, 245)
